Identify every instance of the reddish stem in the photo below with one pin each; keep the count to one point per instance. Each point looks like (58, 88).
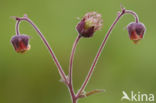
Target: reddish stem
(73, 96)
(101, 48)
(72, 58)
(17, 27)
(70, 85)
(134, 14)
(62, 74)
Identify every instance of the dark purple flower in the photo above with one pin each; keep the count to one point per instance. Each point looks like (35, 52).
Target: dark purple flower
(90, 23)
(20, 43)
(136, 31)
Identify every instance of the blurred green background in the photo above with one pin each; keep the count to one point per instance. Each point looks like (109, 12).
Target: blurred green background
(33, 77)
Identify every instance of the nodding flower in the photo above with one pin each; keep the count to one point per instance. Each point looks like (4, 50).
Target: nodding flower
(136, 31)
(90, 23)
(20, 43)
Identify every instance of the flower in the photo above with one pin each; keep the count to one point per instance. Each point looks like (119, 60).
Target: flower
(20, 43)
(136, 31)
(90, 23)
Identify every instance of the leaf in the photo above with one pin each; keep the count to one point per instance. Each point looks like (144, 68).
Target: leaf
(86, 94)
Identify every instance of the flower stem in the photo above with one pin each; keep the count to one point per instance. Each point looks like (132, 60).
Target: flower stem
(62, 74)
(101, 48)
(75, 101)
(72, 58)
(70, 85)
(72, 94)
(17, 27)
(134, 14)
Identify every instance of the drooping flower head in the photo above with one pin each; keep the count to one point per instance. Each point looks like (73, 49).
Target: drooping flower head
(90, 23)
(20, 43)
(136, 31)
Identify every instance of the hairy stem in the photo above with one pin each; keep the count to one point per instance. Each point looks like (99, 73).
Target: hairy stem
(101, 48)
(17, 27)
(72, 58)
(72, 94)
(62, 74)
(134, 14)
(70, 85)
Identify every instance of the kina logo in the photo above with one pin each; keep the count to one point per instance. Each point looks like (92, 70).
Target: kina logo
(137, 97)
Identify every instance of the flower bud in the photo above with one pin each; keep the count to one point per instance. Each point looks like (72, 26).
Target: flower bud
(136, 31)
(90, 23)
(20, 43)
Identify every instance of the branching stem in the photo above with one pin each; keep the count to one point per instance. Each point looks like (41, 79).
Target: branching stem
(68, 81)
(101, 48)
